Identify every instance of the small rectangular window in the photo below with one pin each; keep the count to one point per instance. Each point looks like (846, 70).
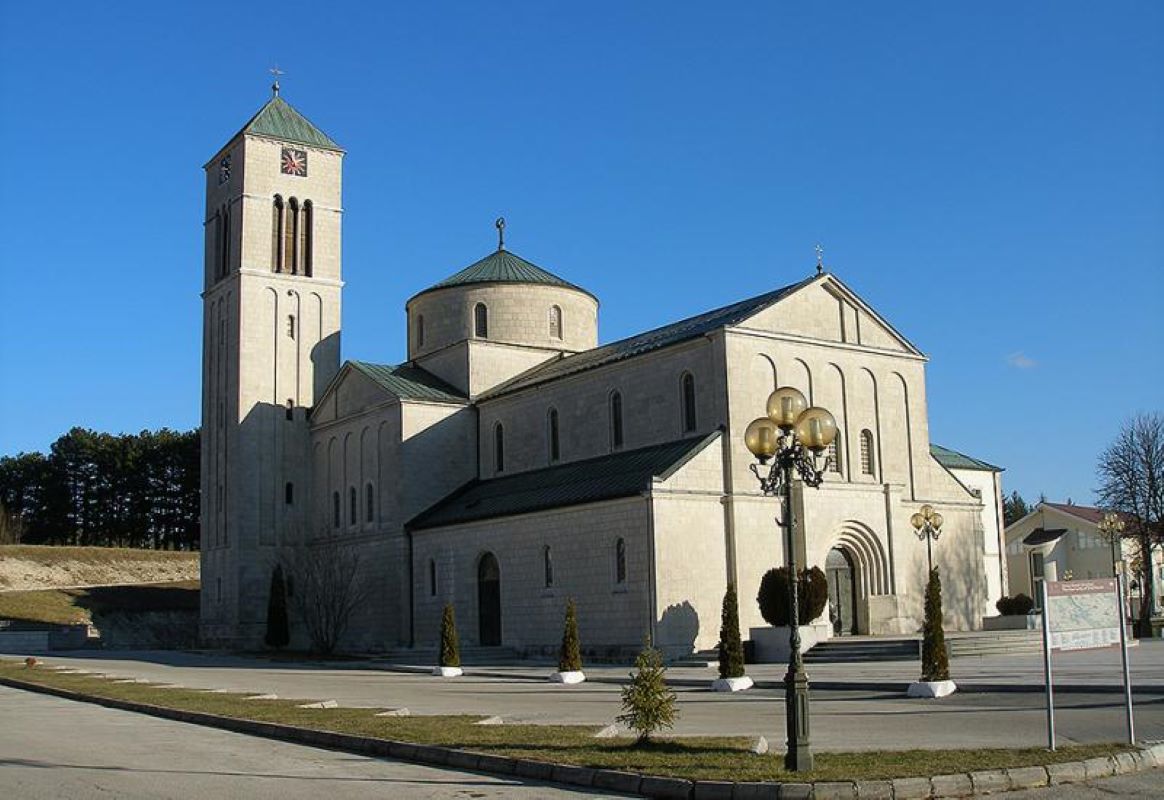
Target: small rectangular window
(291, 326)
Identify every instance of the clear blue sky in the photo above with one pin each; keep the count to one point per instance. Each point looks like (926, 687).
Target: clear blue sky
(989, 176)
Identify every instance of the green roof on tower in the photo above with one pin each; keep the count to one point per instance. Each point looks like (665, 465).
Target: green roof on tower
(503, 266)
(279, 120)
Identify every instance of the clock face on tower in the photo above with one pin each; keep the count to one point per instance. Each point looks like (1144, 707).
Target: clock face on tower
(294, 162)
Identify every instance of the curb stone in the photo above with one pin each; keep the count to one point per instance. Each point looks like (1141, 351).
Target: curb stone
(956, 785)
(941, 786)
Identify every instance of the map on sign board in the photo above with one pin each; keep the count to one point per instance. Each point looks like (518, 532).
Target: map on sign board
(1083, 615)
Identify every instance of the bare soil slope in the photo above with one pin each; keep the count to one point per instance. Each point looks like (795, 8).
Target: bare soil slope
(29, 567)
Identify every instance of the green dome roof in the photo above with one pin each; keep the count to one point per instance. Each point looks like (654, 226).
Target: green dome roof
(503, 266)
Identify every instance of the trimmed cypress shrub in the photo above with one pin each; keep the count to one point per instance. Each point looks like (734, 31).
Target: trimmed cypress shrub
(450, 646)
(731, 649)
(647, 704)
(773, 597)
(570, 654)
(935, 661)
(278, 631)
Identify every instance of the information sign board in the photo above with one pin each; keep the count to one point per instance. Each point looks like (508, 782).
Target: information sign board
(1083, 615)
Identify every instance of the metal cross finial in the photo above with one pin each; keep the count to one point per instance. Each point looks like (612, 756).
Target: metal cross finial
(819, 259)
(275, 86)
(500, 225)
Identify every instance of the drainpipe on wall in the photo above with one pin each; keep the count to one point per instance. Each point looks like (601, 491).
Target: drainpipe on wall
(653, 599)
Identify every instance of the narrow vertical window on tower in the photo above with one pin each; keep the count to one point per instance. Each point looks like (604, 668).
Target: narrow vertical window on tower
(277, 234)
(307, 235)
(687, 388)
(555, 322)
(351, 505)
(419, 331)
(834, 454)
(498, 448)
(224, 251)
(292, 237)
(548, 566)
(289, 493)
(555, 447)
(335, 510)
(481, 321)
(620, 561)
(867, 452)
(615, 420)
(369, 503)
(217, 249)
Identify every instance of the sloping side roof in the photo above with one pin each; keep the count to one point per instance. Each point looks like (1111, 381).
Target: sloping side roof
(607, 477)
(409, 382)
(502, 266)
(279, 120)
(1092, 515)
(676, 332)
(952, 459)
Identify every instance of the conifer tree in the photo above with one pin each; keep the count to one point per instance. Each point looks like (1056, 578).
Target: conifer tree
(648, 705)
(570, 656)
(278, 633)
(450, 646)
(731, 649)
(935, 661)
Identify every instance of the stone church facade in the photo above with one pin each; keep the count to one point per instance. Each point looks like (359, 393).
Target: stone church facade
(511, 462)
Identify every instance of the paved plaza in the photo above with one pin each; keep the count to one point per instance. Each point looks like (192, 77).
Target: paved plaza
(855, 706)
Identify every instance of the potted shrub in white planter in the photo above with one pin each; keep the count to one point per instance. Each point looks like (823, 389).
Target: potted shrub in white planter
(731, 648)
(935, 678)
(570, 654)
(450, 655)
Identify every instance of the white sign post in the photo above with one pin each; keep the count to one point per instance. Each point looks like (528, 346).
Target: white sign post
(1084, 615)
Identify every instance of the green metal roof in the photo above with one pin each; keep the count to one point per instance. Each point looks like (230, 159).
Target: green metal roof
(676, 332)
(409, 382)
(503, 266)
(952, 459)
(609, 477)
(279, 120)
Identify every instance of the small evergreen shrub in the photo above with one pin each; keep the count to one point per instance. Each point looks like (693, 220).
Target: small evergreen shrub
(570, 654)
(278, 631)
(648, 705)
(450, 646)
(1018, 605)
(935, 660)
(773, 597)
(731, 649)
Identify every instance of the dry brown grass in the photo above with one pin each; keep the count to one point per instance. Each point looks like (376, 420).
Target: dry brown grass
(70, 606)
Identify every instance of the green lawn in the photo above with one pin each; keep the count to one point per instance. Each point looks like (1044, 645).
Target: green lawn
(80, 605)
(693, 758)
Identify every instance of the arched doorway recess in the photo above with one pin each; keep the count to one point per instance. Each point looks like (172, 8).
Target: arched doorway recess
(489, 601)
(842, 592)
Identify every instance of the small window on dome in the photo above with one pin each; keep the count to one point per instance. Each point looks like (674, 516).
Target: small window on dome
(555, 322)
(481, 321)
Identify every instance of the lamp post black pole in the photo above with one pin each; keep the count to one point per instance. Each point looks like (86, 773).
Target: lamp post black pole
(929, 550)
(798, 757)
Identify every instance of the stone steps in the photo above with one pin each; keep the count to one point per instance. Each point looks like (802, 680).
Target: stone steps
(424, 656)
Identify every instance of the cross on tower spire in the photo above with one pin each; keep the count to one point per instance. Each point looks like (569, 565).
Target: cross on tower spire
(819, 259)
(500, 225)
(275, 86)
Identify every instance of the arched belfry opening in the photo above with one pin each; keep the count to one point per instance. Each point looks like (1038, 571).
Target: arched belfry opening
(489, 601)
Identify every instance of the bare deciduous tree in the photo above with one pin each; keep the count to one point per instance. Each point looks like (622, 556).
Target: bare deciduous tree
(1131, 474)
(326, 587)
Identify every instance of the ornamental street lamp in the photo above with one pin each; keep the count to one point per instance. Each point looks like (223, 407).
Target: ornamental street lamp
(928, 524)
(792, 436)
(1112, 527)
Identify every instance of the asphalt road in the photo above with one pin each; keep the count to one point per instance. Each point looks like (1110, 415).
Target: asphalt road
(53, 748)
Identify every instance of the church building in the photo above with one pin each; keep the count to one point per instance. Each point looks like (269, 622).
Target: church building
(509, 461)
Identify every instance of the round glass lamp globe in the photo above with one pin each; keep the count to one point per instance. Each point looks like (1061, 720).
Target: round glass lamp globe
(917, 520)
(785, 405)
(927, 511)
(816, 428)
(762, 438)
(936, 520)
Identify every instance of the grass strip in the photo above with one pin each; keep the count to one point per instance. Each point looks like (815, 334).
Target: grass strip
(73, 606)
(693, 758)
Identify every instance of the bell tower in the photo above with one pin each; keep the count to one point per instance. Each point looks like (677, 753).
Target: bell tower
(270, 346)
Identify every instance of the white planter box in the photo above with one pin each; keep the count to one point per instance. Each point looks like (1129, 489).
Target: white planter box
(931, 688)
(772, 643)
(448, 672)
(731, 684)
(568, 677)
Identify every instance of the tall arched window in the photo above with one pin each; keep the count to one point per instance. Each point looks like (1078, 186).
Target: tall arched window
(432, 587)
(834, 454)
(552, 423)
(620, 561)
(867, 452)
(335, 509)
(499, 448)
(481, 321)
(419, 331)
(306, 236)
(555, 322)
(289, 493)
(351, 505)
(615, 420)
(369, 503)
(224, 253)
(277, 234)
(687, 389)
(548, 566)
(217, 251)
(290, 221)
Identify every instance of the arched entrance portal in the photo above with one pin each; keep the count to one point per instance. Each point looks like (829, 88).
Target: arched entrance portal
(489, 601)
(842, 592)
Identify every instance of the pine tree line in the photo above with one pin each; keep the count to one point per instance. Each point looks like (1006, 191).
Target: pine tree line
(126, 490)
